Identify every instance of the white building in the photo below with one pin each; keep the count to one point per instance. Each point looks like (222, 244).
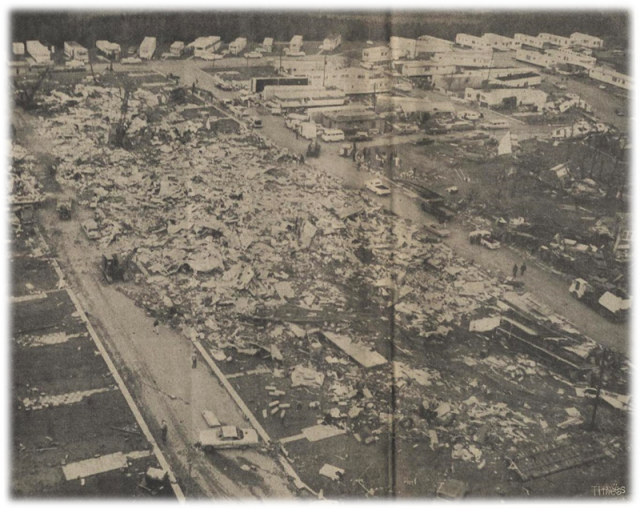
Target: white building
(471, 41)
(267, 44)
(303, 96)
(238, 45)
(429, 44)
(465, 58)
(39, 52)
(331, 42)
(506, 96)
(556, 40)
(501, 43)
(529, 40)
(586, 40)
(376, 54)
(177, 48)
(415, 68)
(295, 45)
(611, 77)
(74, 51)
(148, 48)
(535, 58)
(401, 47)
(108, 49)
(205, 45)
(17, 48)
(356, 80)
(566, 56)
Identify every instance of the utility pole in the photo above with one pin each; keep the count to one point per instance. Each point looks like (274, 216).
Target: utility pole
(596, 403)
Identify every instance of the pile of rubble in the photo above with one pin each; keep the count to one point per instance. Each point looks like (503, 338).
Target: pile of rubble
(261, 259)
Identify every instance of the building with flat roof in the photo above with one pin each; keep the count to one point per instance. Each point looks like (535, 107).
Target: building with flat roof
(303, 96)
(356, 80)
(472, 41)
(529, 40)
(465, 58)
(500, 42)
(586, 40)
(556, 40)
(205, 45)
(331, 42)
(39, 52)
(377, 54)
(237, 46)
(295, 45)
(74, 51)
(506, 97)
(148, 48)
(611, 77)
(110, 50)
(352, 121)
(534, 58)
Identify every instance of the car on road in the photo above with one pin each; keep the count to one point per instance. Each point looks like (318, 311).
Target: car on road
(227, 437)
(495, 124)
(90, 228)
(469, 115)
(254, 54)
(376, 186)
(330, 135)
(437, 229)
(451, 493)
(211, 56)
(361, 136)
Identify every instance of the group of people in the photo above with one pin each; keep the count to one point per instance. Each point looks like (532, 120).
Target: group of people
(523, 269)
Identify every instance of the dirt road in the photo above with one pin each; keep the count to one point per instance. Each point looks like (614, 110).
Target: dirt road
(157, 367)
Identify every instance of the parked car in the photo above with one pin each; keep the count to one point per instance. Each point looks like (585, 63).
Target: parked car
(452, 490)
(90, 228)
(437, 229)
(361, 136)
(254, 54)
(330, 135)
(469, 115)
(227, 437)
(376, 186)
(495, 124)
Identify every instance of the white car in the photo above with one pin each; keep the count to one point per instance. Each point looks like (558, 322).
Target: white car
(378, 187)
(437, 229)
(254, 54)
(91, 230)
(495, 124)
(227, 437)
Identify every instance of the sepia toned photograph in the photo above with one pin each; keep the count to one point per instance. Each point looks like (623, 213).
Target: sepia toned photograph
(368, 255)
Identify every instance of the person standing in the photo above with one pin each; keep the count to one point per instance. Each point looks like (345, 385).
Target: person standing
(515, 270)
(165, 430)
(194, 360)
(523, 269)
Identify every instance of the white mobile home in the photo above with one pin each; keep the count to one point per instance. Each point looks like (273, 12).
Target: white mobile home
(534, 57)
(39, 52)
(331, 42)
(17, 48)
(606, 75)
(148, 48)
(376, 54)
(238, 45)
(529, 40)
(177, 48)
(295, 46)
(109, 49)
(556, 40)
(471, 41)
(267, 44)
(205, 45)
(74, 51)
(588, 41)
